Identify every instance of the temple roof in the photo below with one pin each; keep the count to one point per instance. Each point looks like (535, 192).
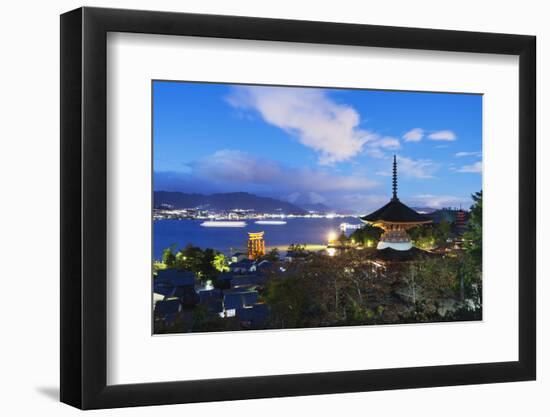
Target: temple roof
(395, 211)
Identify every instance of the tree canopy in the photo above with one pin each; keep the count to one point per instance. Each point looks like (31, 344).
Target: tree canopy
(207, 263)
(474, 234)
(368, 235)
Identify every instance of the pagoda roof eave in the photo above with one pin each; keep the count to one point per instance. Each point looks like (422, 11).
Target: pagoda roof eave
(395, 222)
(397, 213)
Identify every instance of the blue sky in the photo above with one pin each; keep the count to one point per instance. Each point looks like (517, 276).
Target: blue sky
(313, 145)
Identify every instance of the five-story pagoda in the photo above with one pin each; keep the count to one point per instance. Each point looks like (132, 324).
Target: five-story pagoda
(395, 218)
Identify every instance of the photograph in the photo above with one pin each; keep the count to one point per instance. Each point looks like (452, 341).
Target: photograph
(286, 207)
(246, 208)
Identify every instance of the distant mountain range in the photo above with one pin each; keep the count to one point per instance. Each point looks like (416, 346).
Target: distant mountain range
(225, 201)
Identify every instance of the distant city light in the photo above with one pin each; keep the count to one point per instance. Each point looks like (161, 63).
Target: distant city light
(331, 237)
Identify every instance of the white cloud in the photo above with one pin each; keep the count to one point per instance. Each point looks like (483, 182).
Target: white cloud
(374, 148)
(447, 135)
(386, 142)
(330, 128)
(475, 168)
(375, 153)
(463, 154)
(419, 168)
(414, 135)
(438, 201)
(231, 166)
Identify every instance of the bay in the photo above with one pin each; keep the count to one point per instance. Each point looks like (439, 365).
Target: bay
(310, 231)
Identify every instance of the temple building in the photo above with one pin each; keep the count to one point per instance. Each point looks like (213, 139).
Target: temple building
(395, 218)
(256, 245)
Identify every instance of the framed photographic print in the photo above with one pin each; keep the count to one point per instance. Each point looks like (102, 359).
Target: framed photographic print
(257, 208)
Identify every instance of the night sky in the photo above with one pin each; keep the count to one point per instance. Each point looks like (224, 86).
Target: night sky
(312, 145)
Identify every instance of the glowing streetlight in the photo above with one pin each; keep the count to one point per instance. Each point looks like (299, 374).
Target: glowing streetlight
(331, 237)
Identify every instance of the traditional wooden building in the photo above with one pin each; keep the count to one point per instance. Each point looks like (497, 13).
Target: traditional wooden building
(395, 218)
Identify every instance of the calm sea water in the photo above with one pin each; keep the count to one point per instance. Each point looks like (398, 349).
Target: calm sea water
(228, 239)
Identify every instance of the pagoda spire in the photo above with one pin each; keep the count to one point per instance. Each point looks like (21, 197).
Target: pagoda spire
(394, 180)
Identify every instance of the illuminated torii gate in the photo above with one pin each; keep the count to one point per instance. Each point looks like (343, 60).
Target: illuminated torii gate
(256, 245)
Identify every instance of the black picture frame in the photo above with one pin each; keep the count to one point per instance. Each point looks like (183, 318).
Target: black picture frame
(84, 207)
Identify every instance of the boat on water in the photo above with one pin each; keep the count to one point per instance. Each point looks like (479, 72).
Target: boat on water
(270, 222)
(220, 223)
